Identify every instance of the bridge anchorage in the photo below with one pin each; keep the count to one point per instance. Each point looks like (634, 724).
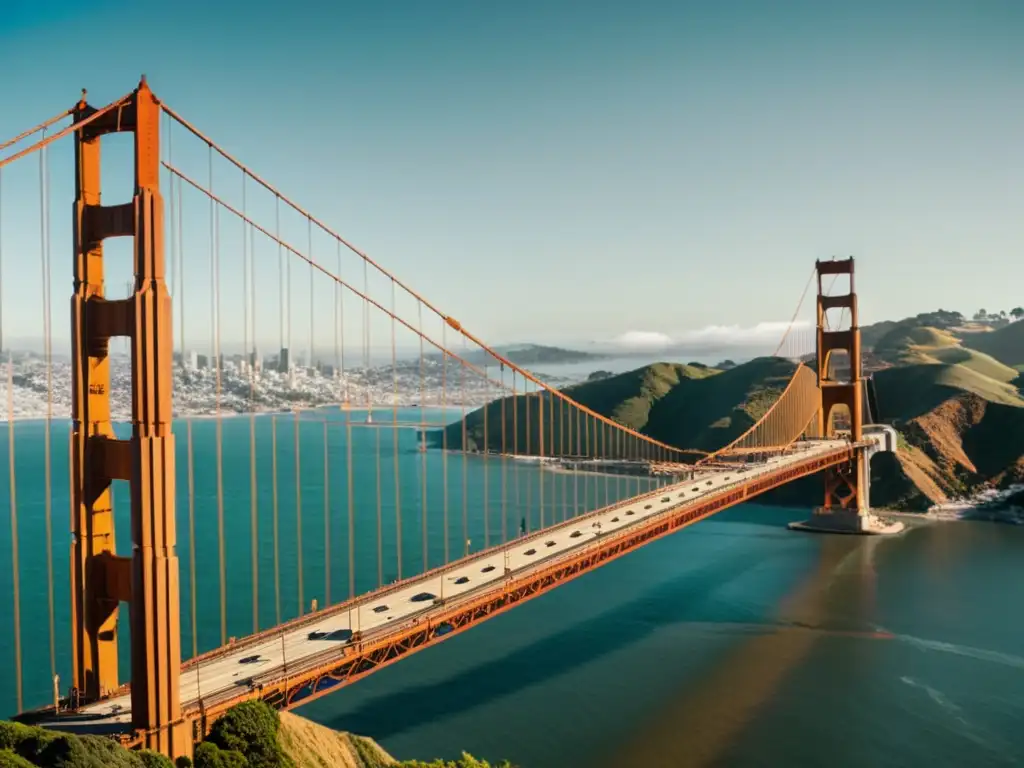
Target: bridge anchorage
(844, 401)
(650, 489)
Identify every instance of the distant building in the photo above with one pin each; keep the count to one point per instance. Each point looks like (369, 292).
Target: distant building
(283, 363)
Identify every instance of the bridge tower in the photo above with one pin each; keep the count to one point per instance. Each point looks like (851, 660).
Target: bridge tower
(147, 580)
(845, 486)
(846, 505)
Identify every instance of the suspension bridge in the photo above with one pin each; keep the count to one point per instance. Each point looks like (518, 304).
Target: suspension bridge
(393, 484)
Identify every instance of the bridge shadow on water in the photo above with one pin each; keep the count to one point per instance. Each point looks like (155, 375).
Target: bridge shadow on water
(672, 602)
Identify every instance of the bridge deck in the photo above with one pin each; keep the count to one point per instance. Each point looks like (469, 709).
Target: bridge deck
(222, 675)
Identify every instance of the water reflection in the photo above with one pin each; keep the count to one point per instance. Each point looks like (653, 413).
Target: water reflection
(699, 727)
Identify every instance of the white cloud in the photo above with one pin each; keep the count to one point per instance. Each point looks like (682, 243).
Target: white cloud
(734, 335)
(642, 340)
(712, 337)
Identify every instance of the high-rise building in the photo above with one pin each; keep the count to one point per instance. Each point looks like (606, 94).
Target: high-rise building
(283, 363)
(193, 360)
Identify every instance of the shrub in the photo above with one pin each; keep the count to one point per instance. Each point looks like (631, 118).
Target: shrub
(10, 759)
(209, 755)
(250, 729)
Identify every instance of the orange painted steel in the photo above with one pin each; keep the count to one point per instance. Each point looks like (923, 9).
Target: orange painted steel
(36, 129)
(76, 127)
(844, 486)
(794, 414)
(148, 580)
(332, 669)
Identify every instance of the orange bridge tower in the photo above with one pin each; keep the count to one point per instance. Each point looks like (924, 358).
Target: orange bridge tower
(846, 506)
(147, 580)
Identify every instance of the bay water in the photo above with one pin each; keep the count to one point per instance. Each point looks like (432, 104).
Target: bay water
(734, 642)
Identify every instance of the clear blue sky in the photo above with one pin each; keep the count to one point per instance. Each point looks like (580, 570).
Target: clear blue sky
(572, 171)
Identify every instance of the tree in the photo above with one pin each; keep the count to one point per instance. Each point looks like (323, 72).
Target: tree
(981, 314)
(1017, 313)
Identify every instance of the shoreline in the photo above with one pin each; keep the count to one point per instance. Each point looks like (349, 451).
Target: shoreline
(456, 409)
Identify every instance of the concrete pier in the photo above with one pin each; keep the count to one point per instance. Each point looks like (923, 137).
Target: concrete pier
(850, 521)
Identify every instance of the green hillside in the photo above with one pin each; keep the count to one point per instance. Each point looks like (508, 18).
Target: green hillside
(906, 392)
(708, 413)
(690, 406)
(625, 397)
(909, 344)
(1005, 344)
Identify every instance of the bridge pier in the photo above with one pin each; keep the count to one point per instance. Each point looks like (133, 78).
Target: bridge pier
(855, 518)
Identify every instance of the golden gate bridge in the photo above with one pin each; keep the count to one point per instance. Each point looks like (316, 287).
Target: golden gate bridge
(289, 488)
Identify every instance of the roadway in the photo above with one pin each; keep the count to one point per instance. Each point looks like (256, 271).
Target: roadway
(380, 613)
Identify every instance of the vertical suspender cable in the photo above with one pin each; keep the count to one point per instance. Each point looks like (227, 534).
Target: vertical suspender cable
(529, 475)
(465, 467)
(423, 445)
(44, 249)
(275, 518)
(249, 307)
(486, 462)
(350, 493)
(515, 452)
(15, 569)
(327, 520)
(444, 435)
(190, 460)
(1, 261)
(350, 489)
(394, 433)
(369, 412)
(284, 366)
(298, 509)
(215, 326)
(504, 460)
(542, 476)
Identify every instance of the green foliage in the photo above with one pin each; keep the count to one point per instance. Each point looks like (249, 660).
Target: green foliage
(1005, 344)
(248, 730)
(208, 755)
(909, 344)
(367, 754)
(9, 759)
(940, 319)
(909, 391)
(247, 736)
(512, 424)
(37, 746)
(151, 759)
(708, 412)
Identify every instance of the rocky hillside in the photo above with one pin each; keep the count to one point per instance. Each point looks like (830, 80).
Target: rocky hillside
(952, 389)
